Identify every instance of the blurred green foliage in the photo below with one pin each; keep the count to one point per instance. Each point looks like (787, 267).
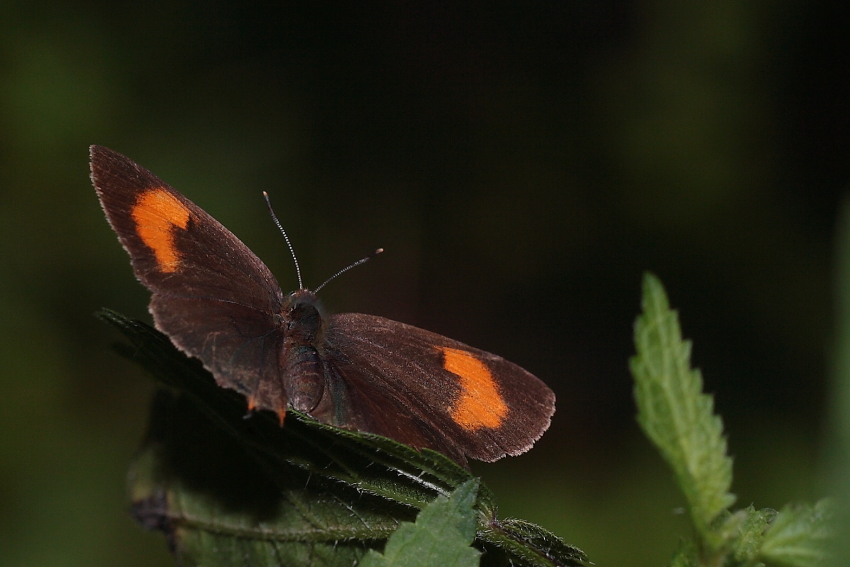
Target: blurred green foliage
(522, 165)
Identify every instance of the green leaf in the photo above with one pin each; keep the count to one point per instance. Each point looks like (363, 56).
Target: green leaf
(799, 535)
(442, 535)
(749, 533)
(230, 490)
(208, 495)
(675, 414)
(516, 542)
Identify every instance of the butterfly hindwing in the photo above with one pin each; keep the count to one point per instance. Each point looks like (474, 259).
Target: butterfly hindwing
(211, 295)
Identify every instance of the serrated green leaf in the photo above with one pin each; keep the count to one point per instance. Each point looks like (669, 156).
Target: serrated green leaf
(798, 536)
(230, 490)
(442, 535)
(516, 542)
(675, 414)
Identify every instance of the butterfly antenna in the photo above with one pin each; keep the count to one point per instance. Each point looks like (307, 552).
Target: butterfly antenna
(288, 243)
(342, 271)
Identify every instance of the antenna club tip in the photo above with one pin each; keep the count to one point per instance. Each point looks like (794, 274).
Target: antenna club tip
(378, 251)
(265, 194)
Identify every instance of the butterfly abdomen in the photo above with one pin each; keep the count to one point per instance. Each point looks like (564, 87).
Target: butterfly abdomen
(303, 376)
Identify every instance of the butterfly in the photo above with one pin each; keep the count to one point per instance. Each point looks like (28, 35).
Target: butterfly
(218, 302)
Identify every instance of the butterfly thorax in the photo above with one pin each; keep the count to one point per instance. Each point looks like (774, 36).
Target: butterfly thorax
(300, 360)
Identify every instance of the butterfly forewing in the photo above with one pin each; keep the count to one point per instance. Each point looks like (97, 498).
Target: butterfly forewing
(481, 404)
(211, 295)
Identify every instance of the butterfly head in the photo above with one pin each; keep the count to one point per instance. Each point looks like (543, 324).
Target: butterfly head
(302, 315)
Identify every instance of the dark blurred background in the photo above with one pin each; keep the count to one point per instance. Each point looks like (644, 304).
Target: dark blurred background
(522, 164)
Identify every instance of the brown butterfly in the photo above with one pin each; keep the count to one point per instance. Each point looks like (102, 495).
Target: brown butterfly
(218, 302)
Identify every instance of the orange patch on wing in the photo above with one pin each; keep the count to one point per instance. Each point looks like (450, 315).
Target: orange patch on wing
(479, 404)
(155, 213)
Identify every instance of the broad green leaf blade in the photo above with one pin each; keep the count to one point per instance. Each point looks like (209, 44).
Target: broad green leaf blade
(442, 535)
(798, 536)
(197, 484)
(675, 414)
(321, 489)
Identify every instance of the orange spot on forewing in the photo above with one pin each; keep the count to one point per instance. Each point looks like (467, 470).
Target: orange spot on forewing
(479, 404)
(156, 213)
